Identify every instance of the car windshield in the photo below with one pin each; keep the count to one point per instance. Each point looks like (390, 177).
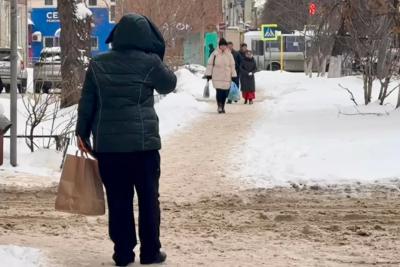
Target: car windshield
(4, 56)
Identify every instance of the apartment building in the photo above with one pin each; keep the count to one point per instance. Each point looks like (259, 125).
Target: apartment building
(242, 14)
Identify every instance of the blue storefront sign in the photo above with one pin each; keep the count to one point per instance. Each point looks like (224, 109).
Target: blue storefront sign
(46, 30)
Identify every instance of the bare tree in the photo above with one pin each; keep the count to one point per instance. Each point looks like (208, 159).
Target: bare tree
(365, 28)
(324, 35)
(371, 24)
(290, 15)
(36, 107)
(75, 42)
(44, 110)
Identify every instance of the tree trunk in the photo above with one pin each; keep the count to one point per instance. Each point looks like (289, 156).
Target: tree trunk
(323, 66)
(308, 66)
(370, 83)
(365, 80)
(398, 100)
(381, 91)
(384, 89)
(75, 45)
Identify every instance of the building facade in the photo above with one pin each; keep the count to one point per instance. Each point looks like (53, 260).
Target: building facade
(241, 14)
(188, 31)
(22, 24)
(233, 11)
(46, 25)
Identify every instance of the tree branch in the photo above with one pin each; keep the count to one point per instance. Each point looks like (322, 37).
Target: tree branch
(352, 98)
(394, 89)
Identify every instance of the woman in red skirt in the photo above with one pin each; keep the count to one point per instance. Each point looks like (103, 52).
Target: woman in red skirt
(248, 67)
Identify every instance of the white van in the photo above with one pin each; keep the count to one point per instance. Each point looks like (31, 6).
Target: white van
(268, 54)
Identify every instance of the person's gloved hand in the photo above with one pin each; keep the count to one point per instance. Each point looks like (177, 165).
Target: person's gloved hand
(207, 77)
(250, 74)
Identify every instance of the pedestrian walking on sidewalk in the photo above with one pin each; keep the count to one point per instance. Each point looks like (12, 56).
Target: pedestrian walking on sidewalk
(237, 57)
(117, 108)
(243, 50)
(248, 68)
(221, 70)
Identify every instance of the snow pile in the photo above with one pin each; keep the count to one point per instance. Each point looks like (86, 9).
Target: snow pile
(177, 111)
(193, 83)
(311, 132)
(82, 12)
(13, 256)
(196, 69)
(189, 82)
(43, 164)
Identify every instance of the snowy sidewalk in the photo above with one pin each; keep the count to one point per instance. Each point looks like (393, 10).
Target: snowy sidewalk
(14, 256)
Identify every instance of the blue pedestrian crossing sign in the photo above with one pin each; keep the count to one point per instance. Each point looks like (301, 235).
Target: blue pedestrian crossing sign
(269, 32)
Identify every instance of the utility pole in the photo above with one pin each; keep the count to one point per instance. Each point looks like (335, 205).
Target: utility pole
(13, 88)
(202, 36)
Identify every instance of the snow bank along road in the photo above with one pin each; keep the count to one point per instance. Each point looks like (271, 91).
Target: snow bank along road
(209, 220)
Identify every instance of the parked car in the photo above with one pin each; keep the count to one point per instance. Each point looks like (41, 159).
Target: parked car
(5, 72)
(47, 71)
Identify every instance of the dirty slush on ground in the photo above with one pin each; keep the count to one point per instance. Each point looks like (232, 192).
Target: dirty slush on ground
(209, 220)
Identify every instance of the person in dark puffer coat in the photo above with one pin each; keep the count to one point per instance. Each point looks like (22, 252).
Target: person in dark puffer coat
(117, 108)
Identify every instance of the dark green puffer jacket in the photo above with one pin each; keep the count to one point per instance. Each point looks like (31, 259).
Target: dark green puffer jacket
(117, 103)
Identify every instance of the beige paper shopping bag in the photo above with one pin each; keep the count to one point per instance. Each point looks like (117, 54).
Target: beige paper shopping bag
(80, 190)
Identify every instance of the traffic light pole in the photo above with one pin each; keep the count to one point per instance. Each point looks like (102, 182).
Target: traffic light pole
(13, 86)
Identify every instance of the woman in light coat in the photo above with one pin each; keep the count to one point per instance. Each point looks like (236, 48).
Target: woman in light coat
(221, 70)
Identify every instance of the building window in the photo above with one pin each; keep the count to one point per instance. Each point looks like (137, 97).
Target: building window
(95, 43)
(92, 2)
(48, 41)
(48, 2)
(112, 13)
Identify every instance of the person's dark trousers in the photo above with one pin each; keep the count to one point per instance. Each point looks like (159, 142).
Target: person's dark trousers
(222, 95)
(121, 173)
